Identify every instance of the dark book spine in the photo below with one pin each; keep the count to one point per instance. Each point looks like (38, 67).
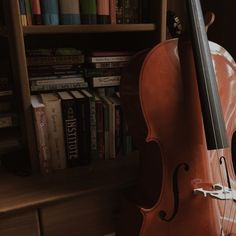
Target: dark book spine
(131, 11)
(88, 10)
(100, 129)
(69, 115)
(119, 11)
(83, 114)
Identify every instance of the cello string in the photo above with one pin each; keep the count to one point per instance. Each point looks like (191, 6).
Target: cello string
(198, 5)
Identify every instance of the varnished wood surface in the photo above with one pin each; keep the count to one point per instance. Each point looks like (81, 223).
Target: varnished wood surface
(63, 29)
(18, 193)
(90, 215)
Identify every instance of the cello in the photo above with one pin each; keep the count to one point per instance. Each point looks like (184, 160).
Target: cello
(180, 104)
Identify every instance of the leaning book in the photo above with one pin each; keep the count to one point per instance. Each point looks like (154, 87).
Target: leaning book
(41, 132)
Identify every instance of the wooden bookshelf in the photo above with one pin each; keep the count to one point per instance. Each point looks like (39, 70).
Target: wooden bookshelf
(109, 28)
(23, 193)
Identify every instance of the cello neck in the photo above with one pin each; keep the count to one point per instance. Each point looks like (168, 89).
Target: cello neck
(213, 120)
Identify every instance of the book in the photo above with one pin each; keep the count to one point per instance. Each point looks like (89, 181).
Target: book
(22, 12)
(69, 12)
(99, 65)
(83, 116)
(50, 12)
(41, 132)
(110, 126)
(55, 129)
(91, 110)
(100, 127)
(112, 9)
(8, 120)
(88, 11)
(55, 60)
(103, 12)
(28, 12)
(99, 59)
(56, 87)
(119, 11)
(70, 124)
(131, 11)
(104, 81)
(36, 12)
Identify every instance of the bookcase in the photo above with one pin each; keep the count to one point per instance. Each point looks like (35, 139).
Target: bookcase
(43, 203)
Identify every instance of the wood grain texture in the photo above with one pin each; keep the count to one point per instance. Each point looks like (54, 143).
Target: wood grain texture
(25, 224)
(19, 193)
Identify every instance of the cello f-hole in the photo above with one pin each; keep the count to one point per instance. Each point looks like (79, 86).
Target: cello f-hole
(162, 213)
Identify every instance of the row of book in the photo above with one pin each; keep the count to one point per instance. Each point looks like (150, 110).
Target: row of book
(78, 126)
(68, 12)
(68, 68)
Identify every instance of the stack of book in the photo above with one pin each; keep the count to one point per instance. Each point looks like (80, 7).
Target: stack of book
(78, 126)
(55, 69)
(54, 12)
(103, 70)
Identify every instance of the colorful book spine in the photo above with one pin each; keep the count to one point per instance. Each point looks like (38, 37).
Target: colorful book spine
(112, 9)
(36, 12)
(41, 132)
(23, 12)
(50, 12)
(103, 12)
(69, 114)
(88, 10)
(69, 12)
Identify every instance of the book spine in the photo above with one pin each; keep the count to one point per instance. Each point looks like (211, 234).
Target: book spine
(112, 6)
(131, 11)
(56, 87)
(8, 120)
(100, 130)
(70, 132)
(69, 12)
(100, 65)
(55, 60)
(119, 11)
(49, 82)
(23, 12)
(106, 130)
(93, 129)
(36, 12)
(56, 134)
(103, 12)
(28, 12)
(108, 59)
(83, 130)
(88, 9)
(107, 81)
(41, 130)
(50, 12)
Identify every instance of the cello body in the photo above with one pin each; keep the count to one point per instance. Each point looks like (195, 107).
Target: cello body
(163, 113)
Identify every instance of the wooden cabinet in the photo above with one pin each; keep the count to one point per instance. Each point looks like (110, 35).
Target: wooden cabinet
(91, 215)
(23, 223)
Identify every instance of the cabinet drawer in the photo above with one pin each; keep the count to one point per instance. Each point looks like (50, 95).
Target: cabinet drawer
(90, 215)
(20, 224)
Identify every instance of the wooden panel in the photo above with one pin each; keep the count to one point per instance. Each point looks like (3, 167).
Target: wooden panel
(90, 215)
(25, 224)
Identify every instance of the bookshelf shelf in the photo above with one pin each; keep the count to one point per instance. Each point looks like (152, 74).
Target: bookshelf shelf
(36, 191)
(64, 29)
